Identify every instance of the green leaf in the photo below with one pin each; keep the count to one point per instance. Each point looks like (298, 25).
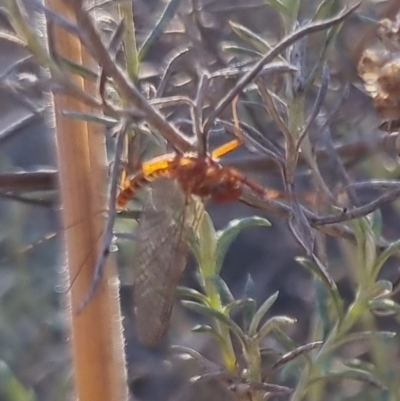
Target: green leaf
(167, 15)
(12, 39)
(326, 9)
(393, 248)
(226, 236)
(279, 6)
(366, 249)
(284, 339)
(250, 37)
(92, 118)
(194, 244)
(323, 55)
(322, 298)
(261, 312)
(251, 309)
(358, 364)
(353, 374)
(203, 328)
(292, 13)
(238, 305)
(375, 219)
(10, 388)
(79, 69)
(332, 289)
(297, 352)
(250, 287)
(206, 311)
(185, 292)
(222, 288)
(240, 50)
(273, 323)
(384, 307)
(363, 335)
(207, 247)
(381, 288)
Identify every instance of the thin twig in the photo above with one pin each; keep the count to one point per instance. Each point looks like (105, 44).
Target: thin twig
(317, 105)
(130, 93)
(361, 211)
(168, 70)
(202, 139)
(108, 234)
(269, 57)
(272, 68)
(172, 101)
(272, 110)
(254, 143)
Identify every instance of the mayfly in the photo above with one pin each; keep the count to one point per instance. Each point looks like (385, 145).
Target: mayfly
(170, 214)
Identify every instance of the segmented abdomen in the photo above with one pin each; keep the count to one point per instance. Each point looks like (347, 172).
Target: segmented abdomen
(137, 182)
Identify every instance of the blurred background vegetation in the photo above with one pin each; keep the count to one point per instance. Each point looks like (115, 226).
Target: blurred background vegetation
(33, 327)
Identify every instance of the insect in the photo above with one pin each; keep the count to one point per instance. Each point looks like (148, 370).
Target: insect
(166, 221)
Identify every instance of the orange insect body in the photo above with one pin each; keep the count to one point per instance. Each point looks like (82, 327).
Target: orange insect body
(201, 176)
(161, 249)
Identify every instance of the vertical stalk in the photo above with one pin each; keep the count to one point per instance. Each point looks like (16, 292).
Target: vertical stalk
(207, 271)
(96, 332)
(131, 53)
(313, 368)
(253, 358)
(206, 261)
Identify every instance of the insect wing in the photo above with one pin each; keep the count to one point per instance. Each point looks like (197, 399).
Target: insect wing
(160, 258)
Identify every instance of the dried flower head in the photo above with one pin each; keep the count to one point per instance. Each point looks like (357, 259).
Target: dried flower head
(379, 68)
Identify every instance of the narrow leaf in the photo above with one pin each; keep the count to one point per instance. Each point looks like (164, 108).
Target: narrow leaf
(203, 328)
(375, 219)
(79, 69)
(222, 288)
(325, 9)
(240, 50)
(10, 388)
(323, 54)
(202, 361)
(291, 17)
(250, 37)
(250, 288)
(364, 335)
(365, 246)
(92, 118)
(206, 311)
(384, 307)
(322, 300)
(358, 364)
(284, 339)
(238, 305)
(11, 38)
(385, 255)
(329, 284)
(230, 232)
(279, 6)
(261, 312)
(207, 246)
(353, 374)
(185, 292)
(167, 15)
(250, 310)
(299, 351)
(271, 324)
(382, 288)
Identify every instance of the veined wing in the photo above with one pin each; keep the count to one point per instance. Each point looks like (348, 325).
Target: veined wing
(167, 220)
